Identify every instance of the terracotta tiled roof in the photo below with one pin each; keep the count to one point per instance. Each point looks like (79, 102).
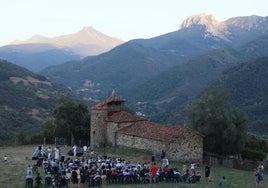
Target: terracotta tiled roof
(103, 104)
(123, 116)
(146, 129)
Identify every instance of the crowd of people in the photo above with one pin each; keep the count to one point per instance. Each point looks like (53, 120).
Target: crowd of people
(92, 170)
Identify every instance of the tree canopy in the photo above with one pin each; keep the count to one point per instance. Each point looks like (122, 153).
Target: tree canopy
(222, 125)
(71, 121)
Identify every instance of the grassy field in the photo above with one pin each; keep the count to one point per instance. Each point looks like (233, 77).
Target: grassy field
(19, 157)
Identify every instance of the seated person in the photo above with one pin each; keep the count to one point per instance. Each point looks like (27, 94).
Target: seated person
(48, 178)
(223, 181)
(198, 175)
(114, 175)
(29, 179)
(38, 180)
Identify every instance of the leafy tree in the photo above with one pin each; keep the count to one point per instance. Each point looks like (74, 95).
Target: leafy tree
(21, 138)
(49, 130)
(71, 119)
(222, 126)
(257, 142)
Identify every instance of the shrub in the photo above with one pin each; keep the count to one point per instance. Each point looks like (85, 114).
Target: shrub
(254, 155)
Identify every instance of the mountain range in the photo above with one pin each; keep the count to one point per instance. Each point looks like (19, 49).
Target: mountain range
(39, 52)
(161, 76)
(85, 42)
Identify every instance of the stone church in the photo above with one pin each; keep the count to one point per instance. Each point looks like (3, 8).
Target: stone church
(113, 126)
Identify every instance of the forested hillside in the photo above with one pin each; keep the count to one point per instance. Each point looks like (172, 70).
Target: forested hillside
(166, 96)
(26, 99)
(169, 92)
(248, 88)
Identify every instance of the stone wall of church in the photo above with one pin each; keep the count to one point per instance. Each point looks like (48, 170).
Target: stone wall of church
(154, 146)
(112, 129)
(98, 127)
(111, 133)
(186, 147)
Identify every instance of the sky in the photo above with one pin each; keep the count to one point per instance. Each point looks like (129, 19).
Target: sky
(123, 19)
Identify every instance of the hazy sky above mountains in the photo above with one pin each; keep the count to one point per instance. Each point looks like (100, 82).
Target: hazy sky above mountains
(124, 19)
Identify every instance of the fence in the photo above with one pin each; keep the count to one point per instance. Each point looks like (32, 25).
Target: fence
(230, 161)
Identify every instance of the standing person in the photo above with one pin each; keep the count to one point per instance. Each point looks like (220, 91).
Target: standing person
(207, 173)
(29, 169)
(258, 177)
(49, 153)
(56, 153)
(163, 154)
(85, 150)
(74, 150)
(5, 158)
(262, 167)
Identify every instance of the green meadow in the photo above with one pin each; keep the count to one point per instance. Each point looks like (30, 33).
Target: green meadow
(19, 157)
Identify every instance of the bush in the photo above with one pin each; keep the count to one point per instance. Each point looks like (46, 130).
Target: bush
(37, 139)
(253, 155)
(257, 142)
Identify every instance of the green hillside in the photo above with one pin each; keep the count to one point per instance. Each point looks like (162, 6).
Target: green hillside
(248, 87)
(165, 97)
(121, 68)
(170, 91)
(26, 99)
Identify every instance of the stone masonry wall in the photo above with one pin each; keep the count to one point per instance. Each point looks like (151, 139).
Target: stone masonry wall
(112, 129)
(187, 146)
(140, 143)
(98, 127)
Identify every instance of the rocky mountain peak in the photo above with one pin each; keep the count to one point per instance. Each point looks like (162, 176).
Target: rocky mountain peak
(199, 19)
(248, 22)
(212, 26)
(87, 41)
(88, 30)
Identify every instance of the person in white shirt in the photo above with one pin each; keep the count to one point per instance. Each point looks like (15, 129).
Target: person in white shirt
(85, 150)
(49, 153)
(74, 150)
(29, 169)
(56, 153)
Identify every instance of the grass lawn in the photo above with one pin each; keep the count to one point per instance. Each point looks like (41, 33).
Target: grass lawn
(19, 157)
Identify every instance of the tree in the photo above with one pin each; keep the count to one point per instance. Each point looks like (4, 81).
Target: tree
(21, 138)
(222, 125)
(49, 130)
(257, 142)
(72, 119)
